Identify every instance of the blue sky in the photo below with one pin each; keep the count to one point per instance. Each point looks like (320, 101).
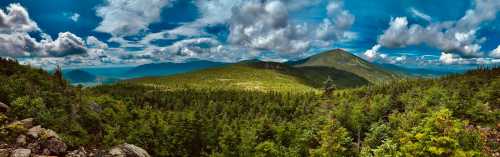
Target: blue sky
(423, 33)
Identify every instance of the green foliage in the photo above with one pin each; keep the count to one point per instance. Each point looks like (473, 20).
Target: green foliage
(447, 116)
(27, 107)
(335, 141)
(438, 135)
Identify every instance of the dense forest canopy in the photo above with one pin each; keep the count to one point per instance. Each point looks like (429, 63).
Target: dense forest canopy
(456, 115)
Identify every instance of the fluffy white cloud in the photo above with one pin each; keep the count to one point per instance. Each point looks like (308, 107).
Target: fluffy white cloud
(441, 35)
(15, 40)
(93, 42)
(495, 53)
(449, 58)
(23, 45)
(75, 17)
(129, 17)
(17, 45)
(336, 25)
(372, 53)
(457, 37)
(201, 48)
(16, 19)
(66, 44)
(265, 26)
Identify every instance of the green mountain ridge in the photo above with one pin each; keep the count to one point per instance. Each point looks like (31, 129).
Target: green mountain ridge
(345, 69)
(343, 60)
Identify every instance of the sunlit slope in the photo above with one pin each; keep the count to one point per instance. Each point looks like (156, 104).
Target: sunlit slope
(236, 76)
(257, 75)
(345, 61)
(345, 69)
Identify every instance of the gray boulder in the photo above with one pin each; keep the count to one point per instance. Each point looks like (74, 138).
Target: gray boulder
(127, 150)
(4, 152)
(38, 131)
(26, 123)
(21, 140)
(21, 153)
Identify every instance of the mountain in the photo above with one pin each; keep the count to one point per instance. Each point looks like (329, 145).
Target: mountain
(79, 76)
(260, 75)
(419, 72)
(245, 76)
(162, 69)
(345, 61)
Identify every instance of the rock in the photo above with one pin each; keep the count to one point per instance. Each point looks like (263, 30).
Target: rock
(21, 140)
(21, 153)
(4, 108)
(35, 131)
(54, 146)
(38, 131)
(26, 123)
(47, 133)
(34, 147)
(77, 153)
(128, 150)
(4, 152)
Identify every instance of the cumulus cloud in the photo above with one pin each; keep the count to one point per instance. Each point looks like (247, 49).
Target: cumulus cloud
(254, 26)
(265, 26)
(453, 37)
(495, 53)
(16, 41)
(16, 19)
(66, 44)
(372, 53)
(23, 45)
(335, 27)
(129, 17)
(202, 48)
(215, 12)
(440, 35)
(449, 58)
(93, 42)
(17, 45)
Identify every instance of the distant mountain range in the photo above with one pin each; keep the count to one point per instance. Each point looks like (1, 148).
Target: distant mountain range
(162, 69)
(113, 74)
(418, 72)
(79, 76)
(345, 69)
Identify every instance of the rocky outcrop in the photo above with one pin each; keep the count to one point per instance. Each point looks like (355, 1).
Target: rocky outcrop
(20, 153)
(127, 150)
(36, 141)
(25, 123)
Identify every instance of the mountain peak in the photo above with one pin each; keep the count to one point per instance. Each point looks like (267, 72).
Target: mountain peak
(346, 61)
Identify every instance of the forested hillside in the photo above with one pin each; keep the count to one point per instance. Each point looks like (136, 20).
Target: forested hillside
(455, 115)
